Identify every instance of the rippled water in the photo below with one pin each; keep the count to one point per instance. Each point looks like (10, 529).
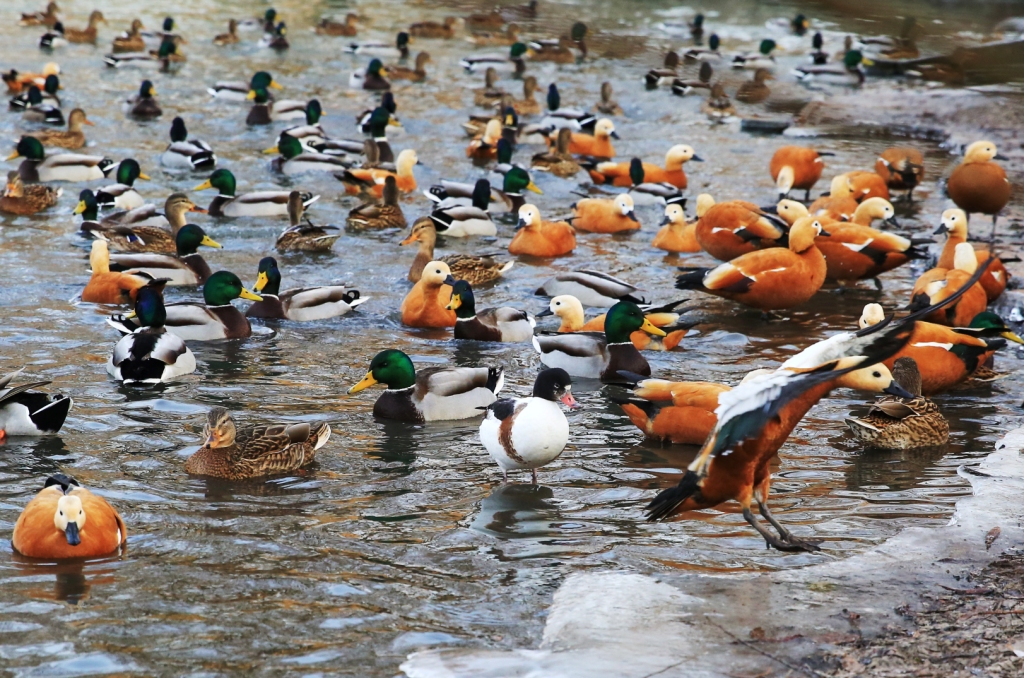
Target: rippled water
(403, 536)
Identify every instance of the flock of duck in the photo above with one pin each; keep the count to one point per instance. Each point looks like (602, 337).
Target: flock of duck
(773, 259)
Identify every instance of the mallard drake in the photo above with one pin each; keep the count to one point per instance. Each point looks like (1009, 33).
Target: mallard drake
(349, 27)
(978, 184)
(185, 267)
(312, 133)
(302, 303)
(818, 56)
(85, 35)
(276, 39)
(47, 17)
(895, 423)
(385, 214)
(229, 38)
(110, 287)
(557, 117)
(53, 525)
(122, 195)
(308, 237)
(730, 229)
(434, 394)
(675, 235)
(954, 224)
(528, 433)
(513, 63)
(509, 199)
(558, 161)
(140, 230)
(773, 279)
(373, 77)
(131, 40)
(256, 451)
(490, 94)
(762, 58)
(705, 55)
(426, 303)
(851, 72)
(561, 51)
(939, 283)
(372, 180)
(755, 91)
(463, 221)
(215, 319)
(34, 110)
(264, 111)
(416, 74)
(53, 38)
(682, 86)
(569, 309)
(490, 324)
(377, 123)
(618, 173)
(21, 199)
(477, 270)
(796, 167)
(263, 23)
(150, 354)
(261, 204)
(397, 50)
(597, 146)
(901, 168)
(594, 355)
(167, 27)
(24, 412)
(605, 215)
(296, 158)
(669, 71)
(185, 153)
(592, 288)
(230, 90)
(538, 238)
(17, 82)
(143, 105)
(48, 95)
(72, 137)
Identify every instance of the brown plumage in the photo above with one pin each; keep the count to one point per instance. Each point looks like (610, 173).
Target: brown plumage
(528, 105)
(729, 229)
(229, 38)
(895, 423)
(558, 161)
(416, 74)
(433, 29)
(131, 41)
(106, 286)
(85, 35)
(839, 204)
(93, 527)
(45, 18)
(978, 184)
(490, 94)
(125, 237)
(255, 452)
(372, 215)
(21, 199)
(867, 185)
(308, 237)
(506, 38)
(72, 137)
(476, 270)
(347, 27)
(755, 91)
(717, 106)
(607, 105)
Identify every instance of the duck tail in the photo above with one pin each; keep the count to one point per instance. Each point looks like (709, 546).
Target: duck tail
(667, 501)
(914, 252)
(322, 435)
(919, 302)
(640, 412)
(691, 279)
(495, 379)
(203, 160)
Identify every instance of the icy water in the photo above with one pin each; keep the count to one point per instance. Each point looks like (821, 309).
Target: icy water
(403, 536)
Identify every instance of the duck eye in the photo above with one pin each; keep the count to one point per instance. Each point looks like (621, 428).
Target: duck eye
(877, 374)
(60, 512)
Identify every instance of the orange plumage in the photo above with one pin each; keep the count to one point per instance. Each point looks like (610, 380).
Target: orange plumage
(424, 305)
(603, 215)
(617, 173)
(868, 185)
(597, 146)
(100, 529)
(538, 238)
(978, 184)
(902, 169)
(675, 235)
(795, 167)
(855, 252)
(372, 180)
(730, 229)
(106, 286)
(994, 280)
(939, 283)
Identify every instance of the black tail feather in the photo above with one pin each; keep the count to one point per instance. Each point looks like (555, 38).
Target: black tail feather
(667, 501)
(692, 279)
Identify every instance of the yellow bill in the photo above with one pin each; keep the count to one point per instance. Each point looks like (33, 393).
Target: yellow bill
(365, 383)
(261, 281)
(1012, 337)
(270, 150)
(274, 84)
(649, 328)
(533, 187)
(12, 156)
(210, 242)
(143, 175)
(455, 303)
(203, 186)
(80, 207)
(251, 296)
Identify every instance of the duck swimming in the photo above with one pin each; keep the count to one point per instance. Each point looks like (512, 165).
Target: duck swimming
(261, 204)
(150, 354)
(24, 412)
(490, 324)
(301, 304)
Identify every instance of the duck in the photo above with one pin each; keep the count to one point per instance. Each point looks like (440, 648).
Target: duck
(605, 215)
(675, 235)
(87, 35)
(398, 50)
(894, 423)
(718, 107)
(730, 229)
(486, 147)
(296, 158)
(560, 51)
(688, 420)
(426, 304)
(373, 215)
(276, 39)
(476, 270)
(47, 94)
(72, 138)
(300, 304)
(592, 288)
(24, 200)
(597, 146)
(874, 208)
(669, 71)
(38, 167)
(558, 160)
(504, 323)
(463, 221)
(263, 23)
(528, 105)
(509, 199)
(264, 111)
(261, 204)
(308, 237)
(53, 38)
(608, 105)
(415, 74)
(187, 154)
(372, 180)
(312, 133)
(185, 267)
(209, 321)
(839, 204)
(490, 94)
(617, 174)
(712, 52)
(506, 38)
(600, 356)
(110, 287)
(796, 167)
(230, 90)
(978, 184)
(167, 27)
(569, 309)
(755, 91)
(901, 168)
(150, 354)
(756, 418)
(773, 279)
(528, 433)
(17, 82)
(538, 238)
(131, 40)
(954, 224)
(372, 78)
(122, 195)
(818, 56)
(143, 105)
(446, 30)
(644, 192)
(762, 58)
(142, 229)
(229, 38)
(254, 452)
(557, 117)
(938, 283)
(349, 27)
(35, 110)
(24, 412)
(513, 63)
(434, 394)
(66, 521)
(851, 72)
(682, 86)
(47, 17)
(377, 124)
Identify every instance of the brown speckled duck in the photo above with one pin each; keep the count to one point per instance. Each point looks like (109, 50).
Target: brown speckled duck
(895, 423)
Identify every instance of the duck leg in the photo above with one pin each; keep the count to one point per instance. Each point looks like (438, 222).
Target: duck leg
(769, 538)
(534, 472)
(793, 544)
(807, 196)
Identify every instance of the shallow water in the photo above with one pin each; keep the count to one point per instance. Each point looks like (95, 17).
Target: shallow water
(403, 536)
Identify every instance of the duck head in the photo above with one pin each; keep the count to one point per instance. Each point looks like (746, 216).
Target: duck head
(146, 90)
(435, 274)
(263, 80)
(268, 277)
(982, 151)
(149, 306)
(704, 203)
(623, 319)
(624, 203)
(554, 384)
(568, 308)
(87, 205)
(518, 180)
(392, 368)
(314, 112)
(554, 98)
(993, 326)
(674, 215)
(29, 148)
(463, 302)
(529, 216)
(258, 96)
(219, 430)
(874, 379)
(605, 128)
(872, 315)
(423, 230)
(679, 154)
(906, 374)
(803, 233)
(70, 518)
(223, 180)
(636, 171)
(223, 286)
(128, 171)
(954, 222)
(190, 238)
(178, 130)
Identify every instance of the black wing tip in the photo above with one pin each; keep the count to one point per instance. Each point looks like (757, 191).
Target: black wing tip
(65, 481)
(667, 501)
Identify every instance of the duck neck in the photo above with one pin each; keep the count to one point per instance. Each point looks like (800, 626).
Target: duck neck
(572, 319)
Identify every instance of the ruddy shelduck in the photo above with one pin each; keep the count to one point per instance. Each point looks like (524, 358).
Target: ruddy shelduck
(617, 173)
(597, 146)
(538, 238)
(675, 235)
(796, 167)
(939, 283)
(901, 168)
(570, 311)
(730, 229)
(954, 224)
(372, 180)
(839, 204)
(605, 215)
(427, 301)
(106, 286)
(978, 184)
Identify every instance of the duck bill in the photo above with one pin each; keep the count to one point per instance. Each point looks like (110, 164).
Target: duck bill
(270, 151)
(203, 186)
(697, 158)
(365, 383)
(632, 216)
(144, 176)
(545, 312)
(941, 230)
(12, 156)
(533, 187)
(80, 207)
(455, 303)
(824, 233)
(261, 282)
(210, 242)
(251, 296)
(90, 123)
(197, 208)
(569, 401)
(71, 534)
(1012, 337)
(894, 389)
(650, 328)
(893, 222)
(274, 84)
(867, 62)
(410, 240)
(251, 95)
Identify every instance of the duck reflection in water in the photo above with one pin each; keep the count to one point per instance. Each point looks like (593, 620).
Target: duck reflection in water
(73, 579)
(518, 511)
